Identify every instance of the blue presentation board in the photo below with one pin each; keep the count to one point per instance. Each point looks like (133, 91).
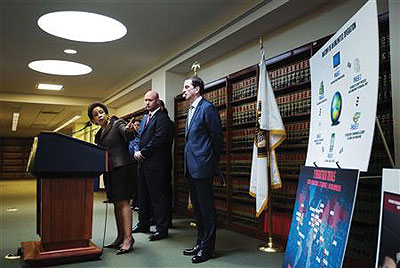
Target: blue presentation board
(321, 217)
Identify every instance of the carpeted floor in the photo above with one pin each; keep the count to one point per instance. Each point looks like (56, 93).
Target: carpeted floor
(232, 249)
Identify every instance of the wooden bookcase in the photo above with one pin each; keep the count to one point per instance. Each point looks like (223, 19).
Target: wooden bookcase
(138, 115)
(14, 154)
(235, 97)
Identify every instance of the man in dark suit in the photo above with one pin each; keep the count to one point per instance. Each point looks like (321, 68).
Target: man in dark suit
(203, 146)
(152, 152)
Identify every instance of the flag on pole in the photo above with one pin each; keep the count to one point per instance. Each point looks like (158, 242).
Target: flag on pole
(268, 119)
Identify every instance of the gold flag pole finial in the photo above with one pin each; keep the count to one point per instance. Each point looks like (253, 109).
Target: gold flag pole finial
(195, 67)
(261, 42)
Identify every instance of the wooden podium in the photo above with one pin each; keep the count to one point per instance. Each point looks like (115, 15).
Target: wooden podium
(65, 168)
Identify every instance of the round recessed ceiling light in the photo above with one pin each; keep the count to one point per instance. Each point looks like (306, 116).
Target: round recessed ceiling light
(82, 26)
(59, 67)
(70, 51)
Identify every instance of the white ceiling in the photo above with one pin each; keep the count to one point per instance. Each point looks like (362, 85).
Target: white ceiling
(157, 31)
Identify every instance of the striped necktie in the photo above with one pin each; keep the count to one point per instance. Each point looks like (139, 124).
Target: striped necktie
(147, 120)
(190, 114)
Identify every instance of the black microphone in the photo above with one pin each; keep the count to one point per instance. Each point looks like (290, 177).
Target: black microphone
(87, 124)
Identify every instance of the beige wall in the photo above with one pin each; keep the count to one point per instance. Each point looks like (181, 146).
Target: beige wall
(174, 85)
(132, 106)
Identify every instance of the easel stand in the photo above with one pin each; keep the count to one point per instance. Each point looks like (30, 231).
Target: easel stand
(384, 142)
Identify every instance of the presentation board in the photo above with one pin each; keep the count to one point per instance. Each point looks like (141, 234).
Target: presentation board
(321, 218)
(344, 92)
(388, 253)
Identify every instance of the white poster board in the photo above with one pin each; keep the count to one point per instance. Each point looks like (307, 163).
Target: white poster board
(344, 91)
(388, 253)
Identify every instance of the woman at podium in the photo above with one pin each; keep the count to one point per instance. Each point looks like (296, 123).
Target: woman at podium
(114, 135)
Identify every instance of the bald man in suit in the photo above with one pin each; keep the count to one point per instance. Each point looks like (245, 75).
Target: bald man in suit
(152, 152)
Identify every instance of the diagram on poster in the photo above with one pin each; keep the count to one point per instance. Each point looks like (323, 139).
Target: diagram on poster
(344, 91)
(321, 218)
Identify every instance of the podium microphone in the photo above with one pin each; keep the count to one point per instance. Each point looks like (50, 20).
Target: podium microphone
(87, 124)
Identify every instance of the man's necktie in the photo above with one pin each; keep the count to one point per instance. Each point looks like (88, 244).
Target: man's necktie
(147, 120)
(190, 114)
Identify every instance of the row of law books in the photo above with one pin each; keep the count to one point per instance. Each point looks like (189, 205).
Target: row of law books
(384, 46)
(243, 170)
(240, 184)
(244, 89)
(367, 211)
(283, 201)
(221, 205)
(290, 167)
(240, 159)
(244, 209)
(179, 144)
(294, 97)
(385, 88)
(243, 138)
(244, 114)
(217, 96)
(297, 133)
(291, 156)
(182, 108)
(290, 75)
(359, 244)
(303, 64)
(222, 116)
(302, 107)
(280, 223)
(368, 190)
(243, 220)
(181, 123)
(377, 161)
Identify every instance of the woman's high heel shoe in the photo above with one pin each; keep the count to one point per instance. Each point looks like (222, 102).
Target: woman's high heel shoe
(123, 251)
(114, 245)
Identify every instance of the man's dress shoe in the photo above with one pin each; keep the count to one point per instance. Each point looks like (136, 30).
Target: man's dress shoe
(157, 236)
(191, 251)
(201, 257)
(140, 229)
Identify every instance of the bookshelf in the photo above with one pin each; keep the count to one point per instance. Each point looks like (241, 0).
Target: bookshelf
(138, 115)
(14, 154)
(235, 97)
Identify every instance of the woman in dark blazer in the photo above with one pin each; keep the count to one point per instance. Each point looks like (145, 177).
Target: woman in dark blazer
(115, 135)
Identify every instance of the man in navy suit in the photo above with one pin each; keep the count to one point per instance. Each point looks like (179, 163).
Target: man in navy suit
(152, 152)
(203, 146)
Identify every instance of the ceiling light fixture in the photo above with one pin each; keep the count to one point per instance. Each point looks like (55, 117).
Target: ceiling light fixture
(82, 26)
(49, 87)
(73, 119)
(70, 51)
(59, 67)
(15, 121)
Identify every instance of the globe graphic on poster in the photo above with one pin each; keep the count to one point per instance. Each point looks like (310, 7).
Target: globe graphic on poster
(336, 108)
